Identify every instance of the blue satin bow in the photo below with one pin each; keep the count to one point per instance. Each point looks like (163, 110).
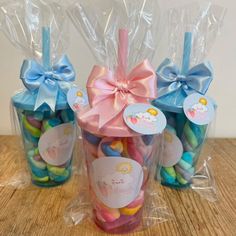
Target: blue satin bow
(47, 83)
(170, 79)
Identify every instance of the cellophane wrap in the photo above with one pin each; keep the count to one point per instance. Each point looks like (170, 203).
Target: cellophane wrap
(123, 37)
(192, 31)
(39, 30)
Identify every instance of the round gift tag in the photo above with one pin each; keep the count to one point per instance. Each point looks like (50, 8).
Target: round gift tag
(144, 119)
(199, 109)
(116, 181)
(57, 144)
(173, 150)
(77, 99)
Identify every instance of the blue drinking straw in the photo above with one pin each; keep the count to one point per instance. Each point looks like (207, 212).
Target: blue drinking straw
(187, 52)
(46, 47)
(181, 118)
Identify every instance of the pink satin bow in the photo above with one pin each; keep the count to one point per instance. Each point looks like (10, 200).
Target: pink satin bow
(111, 92)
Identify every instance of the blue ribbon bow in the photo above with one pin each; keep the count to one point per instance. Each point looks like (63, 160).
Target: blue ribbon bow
(47, 83)
(170, 78)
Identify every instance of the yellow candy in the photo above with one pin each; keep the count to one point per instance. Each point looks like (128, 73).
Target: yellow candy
(43, 180)
(56, 170)
(125, 148)
(35, 132)
(129, 211)
(117, 145)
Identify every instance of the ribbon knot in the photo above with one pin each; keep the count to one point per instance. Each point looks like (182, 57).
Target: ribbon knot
(109, 97)
(181, 78)
(123, 87)
(170, 78)
(47, 83)
(111, 92)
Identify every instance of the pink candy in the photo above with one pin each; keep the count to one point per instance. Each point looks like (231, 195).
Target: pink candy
(35, 123)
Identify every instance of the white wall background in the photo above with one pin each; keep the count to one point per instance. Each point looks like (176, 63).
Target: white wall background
(223, 57)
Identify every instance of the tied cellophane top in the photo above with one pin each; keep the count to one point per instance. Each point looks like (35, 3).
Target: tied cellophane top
(123, 37)
(40, 31)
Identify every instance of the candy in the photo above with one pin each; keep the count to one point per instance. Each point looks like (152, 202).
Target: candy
(134, 206)
(168, 175)
(34, 122)
(185, 168)
(38, 116)
(35, 162)
(180, 122)
(48, 124)
(106, 214)
(147, 139)
(38, 179)
(113, 149)
(124, 223)
(30, 139)
(57, 170)
(58, 174)
(140, 149)
(130, 150)
(193, 136)
(40, 173)
(91, 138)
(34, 131)
(67, 115)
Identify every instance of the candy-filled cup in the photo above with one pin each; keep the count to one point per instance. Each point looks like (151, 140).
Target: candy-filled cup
(48, 151)
(192, 137)
(118, 170)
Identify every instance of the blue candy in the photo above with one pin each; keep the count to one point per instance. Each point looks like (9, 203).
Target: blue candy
(188, 157)
(67, 115)
(29, 137)
(39, 172)
(166, 177)
(91, 138)
(147, 139)
(108, 151)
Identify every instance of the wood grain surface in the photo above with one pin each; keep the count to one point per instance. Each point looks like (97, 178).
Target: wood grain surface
(38, 211)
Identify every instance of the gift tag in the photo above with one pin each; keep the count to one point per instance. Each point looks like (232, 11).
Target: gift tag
(57, 144)
(173, 150)
(77, 99)
(116, 181)
(199, 109)
(144, 119)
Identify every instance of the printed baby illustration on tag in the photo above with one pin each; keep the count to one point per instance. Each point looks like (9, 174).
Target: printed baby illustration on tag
(79, 101)
(199, 110)
(55, 146)
(144, 118)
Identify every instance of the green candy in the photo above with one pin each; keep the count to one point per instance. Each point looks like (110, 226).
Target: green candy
(185, 165)
(57, 170)
(38, 164)
(38, 179)
(181, 180)
(190, 136)
(170, 171)
(48, 124)
(35, 132)
(33, 152)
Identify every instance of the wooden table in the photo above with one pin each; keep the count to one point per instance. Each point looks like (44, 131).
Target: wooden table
(37, 211)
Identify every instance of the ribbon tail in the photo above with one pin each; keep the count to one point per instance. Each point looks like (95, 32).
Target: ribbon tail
(101, 110)
(48, 95)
